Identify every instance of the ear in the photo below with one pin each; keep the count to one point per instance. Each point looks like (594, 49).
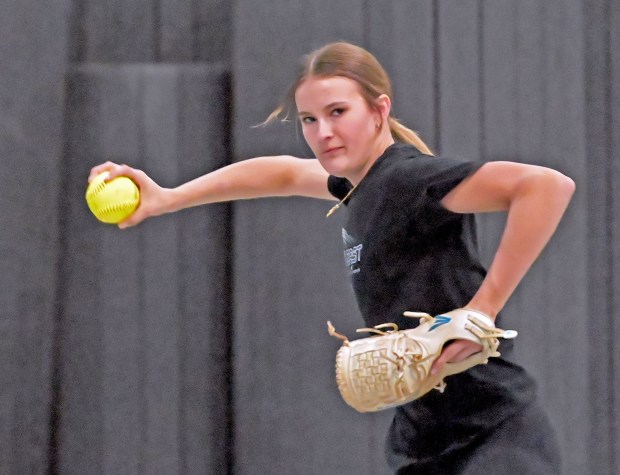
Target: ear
(384, 106)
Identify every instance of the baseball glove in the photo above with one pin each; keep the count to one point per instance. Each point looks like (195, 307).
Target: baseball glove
(393, 367)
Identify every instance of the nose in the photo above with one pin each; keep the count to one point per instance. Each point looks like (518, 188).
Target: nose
(325, 130)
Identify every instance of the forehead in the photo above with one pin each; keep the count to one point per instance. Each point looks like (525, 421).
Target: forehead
(317, 92)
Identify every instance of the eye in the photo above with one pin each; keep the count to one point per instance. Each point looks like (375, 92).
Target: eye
(307, 120)
(338, 111)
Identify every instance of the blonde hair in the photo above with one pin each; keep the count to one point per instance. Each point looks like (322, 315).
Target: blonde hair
(355, 63)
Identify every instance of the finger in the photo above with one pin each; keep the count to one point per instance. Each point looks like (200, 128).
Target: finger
(446, 355)
(122, 170)
(115, 170)
(126, 224)
(140, 214)
(103, 167)
(133, 220)
(465, 353)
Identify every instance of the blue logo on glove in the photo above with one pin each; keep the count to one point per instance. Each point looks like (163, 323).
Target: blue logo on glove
(439, 321)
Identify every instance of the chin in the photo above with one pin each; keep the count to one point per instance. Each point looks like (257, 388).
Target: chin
(336, 171)
(334, 168)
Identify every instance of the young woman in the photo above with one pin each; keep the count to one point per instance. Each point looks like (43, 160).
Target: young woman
(412, 214)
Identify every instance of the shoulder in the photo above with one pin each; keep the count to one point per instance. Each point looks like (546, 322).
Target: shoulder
(400, 156)
(407, 164)
(397, 159)
(428, 176)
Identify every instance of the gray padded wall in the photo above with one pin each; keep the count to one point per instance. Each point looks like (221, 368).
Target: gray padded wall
(145, 312)
(33, 58)
(141, 383)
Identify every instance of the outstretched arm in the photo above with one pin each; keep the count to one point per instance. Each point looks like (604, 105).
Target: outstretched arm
(535, 198)
(254, 178)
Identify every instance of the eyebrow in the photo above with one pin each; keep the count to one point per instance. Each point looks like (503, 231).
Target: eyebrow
(328, 106)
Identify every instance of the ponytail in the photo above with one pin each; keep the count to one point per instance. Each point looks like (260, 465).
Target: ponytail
(406, 135)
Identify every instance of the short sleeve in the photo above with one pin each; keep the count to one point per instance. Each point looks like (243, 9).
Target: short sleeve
(450, 173)
(427, 180)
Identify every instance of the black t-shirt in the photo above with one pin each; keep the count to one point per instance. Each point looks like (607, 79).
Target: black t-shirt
(405, 251)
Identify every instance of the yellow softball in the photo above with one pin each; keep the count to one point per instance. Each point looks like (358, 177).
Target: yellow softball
(112, 201)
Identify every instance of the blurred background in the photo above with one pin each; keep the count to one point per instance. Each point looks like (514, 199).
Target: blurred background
(196, 342)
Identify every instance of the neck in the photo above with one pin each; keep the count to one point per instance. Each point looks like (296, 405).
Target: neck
(381, 144)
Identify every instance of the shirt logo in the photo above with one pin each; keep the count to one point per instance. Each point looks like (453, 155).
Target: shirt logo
(352, 252)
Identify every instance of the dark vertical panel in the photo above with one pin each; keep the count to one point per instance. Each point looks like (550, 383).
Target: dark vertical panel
(511, 47)
(529, 106)
(204, 241)
(129, 362)
(33, 56)
(602, 73)
(400, 34)
(122, 358)
(117, 287)
(176, 30)
(151, 31)
(288, 274)
(160, 267)
(565, 260)
(119, 31)
(194, 30)
(213, 29)
(498, 84)
(499, 80)
(600, 219)
(122, 365)
(614, 120)
(80, 415)
(501, 139)
(459, 78)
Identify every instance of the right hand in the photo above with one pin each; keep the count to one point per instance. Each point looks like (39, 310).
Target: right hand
(153, 198)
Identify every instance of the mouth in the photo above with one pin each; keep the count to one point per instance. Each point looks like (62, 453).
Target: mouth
(331, 150)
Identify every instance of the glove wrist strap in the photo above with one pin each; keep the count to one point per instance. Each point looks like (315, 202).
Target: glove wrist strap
(480, 315)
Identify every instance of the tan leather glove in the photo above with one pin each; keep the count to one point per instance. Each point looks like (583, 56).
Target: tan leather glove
(393, 367)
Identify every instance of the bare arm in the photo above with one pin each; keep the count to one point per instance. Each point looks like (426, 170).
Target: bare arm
(535, 199)
(254, 178)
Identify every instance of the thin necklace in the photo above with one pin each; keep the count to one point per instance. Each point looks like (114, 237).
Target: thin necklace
(334, 208)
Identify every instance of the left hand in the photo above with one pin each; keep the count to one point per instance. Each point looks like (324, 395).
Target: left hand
(456, 351)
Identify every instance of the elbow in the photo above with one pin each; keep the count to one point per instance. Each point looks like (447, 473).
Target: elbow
(556, 186)
(548, 185)
(564, 185)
